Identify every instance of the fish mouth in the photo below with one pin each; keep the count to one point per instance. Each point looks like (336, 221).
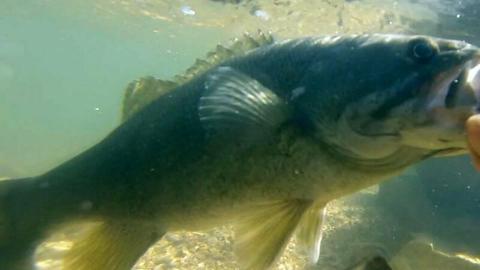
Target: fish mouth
(467, 79)
(456, 94)
(473, 79)
(453, 97)
(452, 151)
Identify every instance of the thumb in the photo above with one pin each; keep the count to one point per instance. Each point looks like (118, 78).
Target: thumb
(473, 138)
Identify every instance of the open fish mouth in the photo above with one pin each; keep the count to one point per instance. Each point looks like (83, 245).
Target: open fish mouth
(451, 98)
(473, 79)
(467, 80)
(456, 94)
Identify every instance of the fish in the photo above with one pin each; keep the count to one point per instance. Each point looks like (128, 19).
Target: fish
(261, 139)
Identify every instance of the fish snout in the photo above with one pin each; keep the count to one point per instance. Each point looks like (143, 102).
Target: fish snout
(472, 87)
(455, 93)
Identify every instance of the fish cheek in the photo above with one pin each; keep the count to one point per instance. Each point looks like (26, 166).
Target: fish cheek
(361, 137)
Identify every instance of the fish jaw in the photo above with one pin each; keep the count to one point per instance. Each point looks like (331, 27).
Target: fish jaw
(453, 96)
(456, 94)
(420, 108)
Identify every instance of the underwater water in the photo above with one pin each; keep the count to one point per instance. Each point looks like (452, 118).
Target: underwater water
(64, 66)
(63, 70)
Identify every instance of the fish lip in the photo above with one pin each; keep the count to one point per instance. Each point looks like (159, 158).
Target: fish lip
(451, 151)
(449, 84)
(443, 86)
(473, 79)
(380, 134)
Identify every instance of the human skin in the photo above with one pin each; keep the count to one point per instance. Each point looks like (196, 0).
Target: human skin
(473, 136)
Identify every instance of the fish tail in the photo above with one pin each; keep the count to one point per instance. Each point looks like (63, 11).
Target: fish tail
(20, 223)
(32, 208)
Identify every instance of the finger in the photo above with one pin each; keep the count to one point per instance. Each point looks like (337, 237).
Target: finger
(473, 137)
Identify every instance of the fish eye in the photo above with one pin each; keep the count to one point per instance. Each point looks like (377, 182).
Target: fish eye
(423, 50)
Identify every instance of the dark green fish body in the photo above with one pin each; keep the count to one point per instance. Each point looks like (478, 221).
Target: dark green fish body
(262, 140)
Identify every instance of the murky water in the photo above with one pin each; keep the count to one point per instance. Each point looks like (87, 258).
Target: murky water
(64, 66)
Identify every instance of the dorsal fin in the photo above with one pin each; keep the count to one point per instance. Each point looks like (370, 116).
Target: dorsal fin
(238, 47)
(141, 92)
(144, 90)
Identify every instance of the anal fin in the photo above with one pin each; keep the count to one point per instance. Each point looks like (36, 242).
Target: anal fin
(112, 246)
(264, 230)
(310, 233)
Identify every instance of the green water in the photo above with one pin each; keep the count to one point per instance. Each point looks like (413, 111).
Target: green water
(63, 68)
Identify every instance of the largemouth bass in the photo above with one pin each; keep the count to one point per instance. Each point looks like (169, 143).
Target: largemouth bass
(261, 140)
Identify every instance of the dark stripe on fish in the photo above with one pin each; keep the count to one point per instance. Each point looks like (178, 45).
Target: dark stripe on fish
(453, 89)
(410, 89)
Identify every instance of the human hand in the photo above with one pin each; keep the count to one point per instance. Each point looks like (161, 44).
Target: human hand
(473, 137)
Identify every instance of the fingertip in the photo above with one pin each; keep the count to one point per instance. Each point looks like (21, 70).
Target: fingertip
(476, 162)
(473, 138)
(473, 123)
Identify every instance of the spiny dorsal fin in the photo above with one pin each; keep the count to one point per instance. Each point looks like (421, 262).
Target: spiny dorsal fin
(238, 47)
(143, 91)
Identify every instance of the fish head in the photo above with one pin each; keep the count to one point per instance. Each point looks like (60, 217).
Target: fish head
(397, 97)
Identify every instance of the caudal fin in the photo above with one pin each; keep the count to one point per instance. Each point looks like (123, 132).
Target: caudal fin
(21, 227)
(31, 208)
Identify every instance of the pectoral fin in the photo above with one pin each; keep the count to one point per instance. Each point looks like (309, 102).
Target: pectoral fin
(236, 104)
(309, 234)
(111, 245)
(264, 230)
